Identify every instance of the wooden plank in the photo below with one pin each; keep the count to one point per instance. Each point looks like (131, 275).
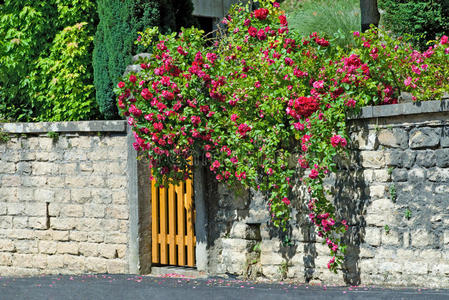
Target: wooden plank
(180, 223)
(154, 224)
(172, 224)
(163, 222)
(190, 224)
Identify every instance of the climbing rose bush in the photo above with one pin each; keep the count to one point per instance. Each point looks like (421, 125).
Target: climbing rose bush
(261, 102)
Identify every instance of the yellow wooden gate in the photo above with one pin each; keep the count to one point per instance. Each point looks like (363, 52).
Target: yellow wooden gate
(173, 224)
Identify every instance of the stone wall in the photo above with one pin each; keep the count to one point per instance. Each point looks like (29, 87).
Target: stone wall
(64, 203)
(393, 190)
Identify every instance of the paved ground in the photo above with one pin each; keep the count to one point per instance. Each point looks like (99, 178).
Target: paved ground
(137, 287)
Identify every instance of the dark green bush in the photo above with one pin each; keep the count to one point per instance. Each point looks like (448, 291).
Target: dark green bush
(120, 22)
(420, 20)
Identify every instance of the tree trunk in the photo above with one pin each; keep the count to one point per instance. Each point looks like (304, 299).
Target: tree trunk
(369, 14)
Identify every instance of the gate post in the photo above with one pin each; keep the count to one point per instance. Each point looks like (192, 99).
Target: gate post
(201, 217)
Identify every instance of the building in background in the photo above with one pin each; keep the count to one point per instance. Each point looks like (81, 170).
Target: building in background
(210, 12)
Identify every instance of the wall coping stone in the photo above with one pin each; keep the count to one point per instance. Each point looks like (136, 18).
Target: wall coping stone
(402, 109)
(80, 126)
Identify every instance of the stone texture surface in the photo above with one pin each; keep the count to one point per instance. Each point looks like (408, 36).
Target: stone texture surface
(61, 200)
(393, 194)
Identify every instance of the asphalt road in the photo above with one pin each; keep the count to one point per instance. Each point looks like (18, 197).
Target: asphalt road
(111, 287)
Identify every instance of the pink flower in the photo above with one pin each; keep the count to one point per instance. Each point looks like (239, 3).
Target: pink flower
(247, 22)
(356, 33)
(313, 173)
(276, 4)
(121, 84)
(243, 129)
(283, 20)
(286, 201)
(261, 35)
(338, 140)
(288, 61)
(350, 103)
(234, 159)
(252, 31)
(331, 262)
(261, 13)
(132, 78)
(195, 120)
(234, 117)
(318, 84)
(257, 84)
(444, 40)
(298, 126)
(408, 81)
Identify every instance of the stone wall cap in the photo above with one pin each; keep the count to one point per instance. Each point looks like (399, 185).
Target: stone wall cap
(402, 109)
(80, 126)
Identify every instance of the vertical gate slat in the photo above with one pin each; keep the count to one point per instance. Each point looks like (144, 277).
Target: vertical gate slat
(190, 224)
(154, 224)
(163, 222)
(172, 224)
(181, 229)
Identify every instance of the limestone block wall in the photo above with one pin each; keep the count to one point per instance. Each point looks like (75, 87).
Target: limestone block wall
(393, 190)
(64, 203)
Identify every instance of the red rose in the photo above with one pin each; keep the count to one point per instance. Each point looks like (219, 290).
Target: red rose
(121, 84)
(283, 20)
(252, 31)
(133, 78)
(261, 13)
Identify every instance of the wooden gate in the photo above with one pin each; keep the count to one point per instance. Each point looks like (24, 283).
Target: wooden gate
(173, 224)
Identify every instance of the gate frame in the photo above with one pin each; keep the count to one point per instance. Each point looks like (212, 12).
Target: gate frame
(140, 219)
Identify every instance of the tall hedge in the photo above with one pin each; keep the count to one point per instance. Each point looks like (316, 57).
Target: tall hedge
(120, 20)
(421, 20)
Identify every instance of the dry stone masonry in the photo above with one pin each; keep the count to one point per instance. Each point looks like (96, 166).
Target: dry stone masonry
(63, 198)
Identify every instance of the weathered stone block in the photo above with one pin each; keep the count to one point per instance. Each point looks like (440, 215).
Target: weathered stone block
(115, 238)
(372, 236)
(6, 245)
(15, 208)
(421, 238)
(244, 231)
(10, 180)
(373, 159)
(47, 247)
(271, 258)
(442, 158)
(426, 158)
(78, 236)
(72, 210)
(381, 175)
(394, 138)
(44, 195)
(68, 248)
(415, 268)
(94, 210)
(107, 250)
(416, 175)
(377, 191)
(116, 266)
(75, 263)
(96, 265)
(8, 167)
(37, 222)
(5, 259)
(438, 175)
(391, 238)
(399, 175)
(118, 212)
(55, 261)
(88, 249)
(424, 137)
(80, 195)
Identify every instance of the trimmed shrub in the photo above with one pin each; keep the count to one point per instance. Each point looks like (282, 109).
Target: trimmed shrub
(419, 20)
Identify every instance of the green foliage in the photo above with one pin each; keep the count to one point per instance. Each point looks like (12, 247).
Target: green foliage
(27, 31)
(64, 79)
(336, 18)
(120, 22)
(392, 190)
(421, 20)
(387, 229)
(408, 214)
